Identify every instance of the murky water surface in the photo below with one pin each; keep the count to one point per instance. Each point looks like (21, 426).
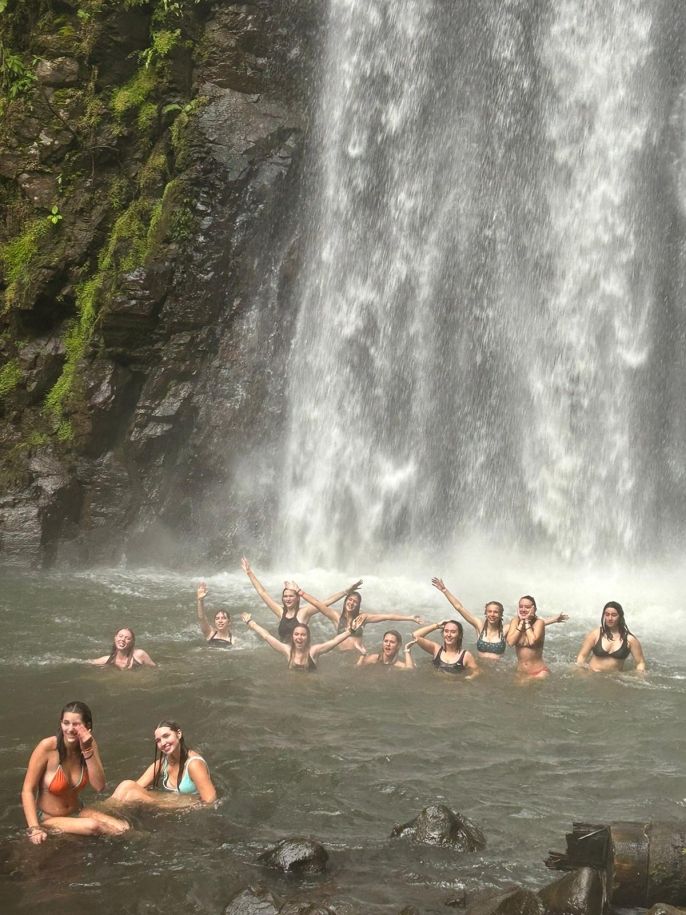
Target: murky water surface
(342, 755)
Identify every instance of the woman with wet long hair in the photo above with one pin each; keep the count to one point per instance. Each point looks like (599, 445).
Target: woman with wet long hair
(124, 654)
(389, 653)
(301, 653)
(526, 634)
(449, 657)
(351, 615)
(59, 769)
(179, 772)
(490, 632)
(289, 611)
(608, 647)
(219, 635)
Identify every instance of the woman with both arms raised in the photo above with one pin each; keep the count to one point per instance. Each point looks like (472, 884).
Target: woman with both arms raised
(289, 612)
(301, 653)
(450, 657)
(490, 632)
(350, 615)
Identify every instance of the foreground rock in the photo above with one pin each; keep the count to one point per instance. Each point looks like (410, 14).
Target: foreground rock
(296, 855)
(515, 901)
(581, 892)
(439, 825)
(260, 901)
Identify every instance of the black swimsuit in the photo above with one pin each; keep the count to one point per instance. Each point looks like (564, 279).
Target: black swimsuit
(619, 654)
(457, 667)
(214, 642)
(308, 668)
(286, 626)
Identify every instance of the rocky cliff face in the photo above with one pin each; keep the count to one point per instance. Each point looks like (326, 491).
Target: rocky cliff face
(150, 165)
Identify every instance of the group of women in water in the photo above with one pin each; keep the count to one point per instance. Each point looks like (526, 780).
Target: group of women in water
(62, 766)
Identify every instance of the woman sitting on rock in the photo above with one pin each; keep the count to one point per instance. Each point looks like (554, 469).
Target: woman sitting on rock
(124, 654)
(607, 647)
(450, 657)
(180, 773)
(301, 653)
(219, 635)
(389, 653)
(490, 632)
(59, 769)
(289, 612)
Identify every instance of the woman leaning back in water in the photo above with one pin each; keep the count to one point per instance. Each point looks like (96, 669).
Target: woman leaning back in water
(59, 769)
(490, 632)
(181, 773)
(124, 654)
(607, 647)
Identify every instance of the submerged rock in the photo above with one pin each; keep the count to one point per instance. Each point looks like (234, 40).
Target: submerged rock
(296, 855)
(581, 892)
(253, 901)
(439, 825)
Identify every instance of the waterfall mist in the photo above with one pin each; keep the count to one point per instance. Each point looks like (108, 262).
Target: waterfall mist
(492, 288)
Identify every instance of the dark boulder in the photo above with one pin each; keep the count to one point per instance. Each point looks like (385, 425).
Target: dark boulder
(253, 901)
(439, 825)
(296, 855)
(514, 901)
(581, 892)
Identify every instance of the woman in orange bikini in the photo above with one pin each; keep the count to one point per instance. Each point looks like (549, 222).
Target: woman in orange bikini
(60, 767)
(526, 634)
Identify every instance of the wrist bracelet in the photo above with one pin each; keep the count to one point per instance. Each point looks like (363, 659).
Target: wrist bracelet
(87, 755)
(33, 829)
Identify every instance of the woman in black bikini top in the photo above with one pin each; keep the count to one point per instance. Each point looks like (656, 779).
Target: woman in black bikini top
(219, 636)
(301, 653)
(449, 657)
(608, 647)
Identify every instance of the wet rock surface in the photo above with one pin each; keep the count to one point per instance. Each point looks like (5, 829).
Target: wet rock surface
(441, 826)
(296, 856)
(581, 892)
(514, 901)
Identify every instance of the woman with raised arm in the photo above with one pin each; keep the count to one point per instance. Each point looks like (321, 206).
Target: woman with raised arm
(526, 634)
(219, 635)
(389, 653)
(490, 632)
(450, 657)
(124, 654)
(181, 774)
(59, 769)
(350, 614)
(289, 612)
(301, 653)
(607, 647)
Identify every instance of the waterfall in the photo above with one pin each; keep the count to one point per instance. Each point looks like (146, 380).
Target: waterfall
(476, 314)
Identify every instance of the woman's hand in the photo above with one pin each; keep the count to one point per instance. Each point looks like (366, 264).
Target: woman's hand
(355, 586)
(85, 737)
(409, 645)
(561, 617)
(245, 565)
(359, 621)
(292, 586)
(37, 835)
(438, 583)
(418, 619)
(202, 590)
(246, 617)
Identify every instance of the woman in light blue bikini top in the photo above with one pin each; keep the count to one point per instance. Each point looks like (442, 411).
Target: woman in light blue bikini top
(177, 764)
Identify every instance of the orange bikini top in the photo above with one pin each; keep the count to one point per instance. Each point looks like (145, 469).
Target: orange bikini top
(60, 784)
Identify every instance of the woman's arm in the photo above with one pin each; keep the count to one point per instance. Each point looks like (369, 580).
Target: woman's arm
(267, 598)
(470, 663)
(464, 613)
(558, 618)
(323, 647)
(312, 605)
(385, 617)
(202, 618)
(637, 652)
(514, 632)
(90, 752)
(148, 777)
(143, 658)
(586, 646)
(365, 659)
(264, 635)
(99, 662)
(409, 660)
(200, 773)
(534, 633)
(427, 644)
(32, 779)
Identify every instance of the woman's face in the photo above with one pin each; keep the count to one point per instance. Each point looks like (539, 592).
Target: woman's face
(352, 604)
(300, 637)
(611, 618)
(493, 613)
(390, 645)
(71, 723)
(167, 739)
(290, 598)
(221, 620)
(123, 639)
(451, 634)
(525, 609)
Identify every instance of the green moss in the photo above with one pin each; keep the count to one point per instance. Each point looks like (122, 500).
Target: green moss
(10, 376)
(146, 117)
(152, 175)
(17, 257)
(135, 93)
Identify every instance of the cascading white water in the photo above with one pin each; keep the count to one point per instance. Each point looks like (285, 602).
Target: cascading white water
(475, 310)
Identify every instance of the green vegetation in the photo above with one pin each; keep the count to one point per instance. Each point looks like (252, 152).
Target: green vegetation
(134, 94)
(10, 376)
(19, 255)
